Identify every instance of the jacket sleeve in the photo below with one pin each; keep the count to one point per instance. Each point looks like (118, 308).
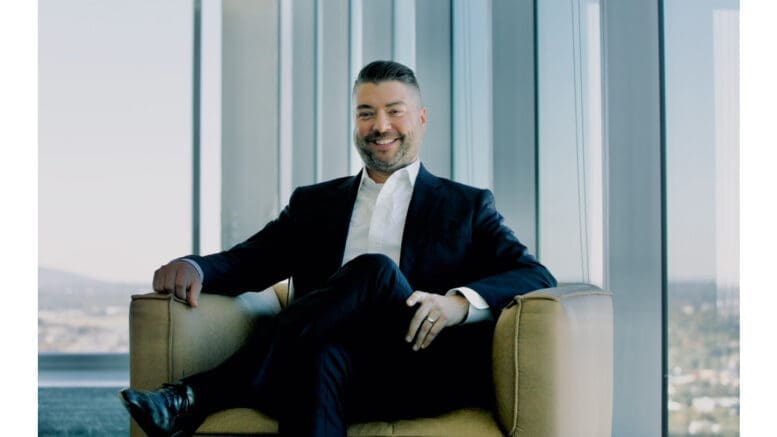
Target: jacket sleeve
(508, 269)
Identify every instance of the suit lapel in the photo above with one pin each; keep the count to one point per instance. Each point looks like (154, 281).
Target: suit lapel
(422, 208)
(340, 210)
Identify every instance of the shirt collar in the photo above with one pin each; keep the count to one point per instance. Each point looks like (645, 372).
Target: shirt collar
(410, 170)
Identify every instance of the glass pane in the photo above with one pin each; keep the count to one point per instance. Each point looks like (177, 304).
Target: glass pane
(571, 186)
(702, 161)
(114, 162)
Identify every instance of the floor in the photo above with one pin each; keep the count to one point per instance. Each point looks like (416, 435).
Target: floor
(81, 411)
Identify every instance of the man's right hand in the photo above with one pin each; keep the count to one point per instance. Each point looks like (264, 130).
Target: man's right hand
(181, 278)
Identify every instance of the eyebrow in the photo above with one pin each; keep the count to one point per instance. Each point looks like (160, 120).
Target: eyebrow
(365, 106)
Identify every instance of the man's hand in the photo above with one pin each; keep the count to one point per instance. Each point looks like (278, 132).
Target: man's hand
(434, 313)
(181, 278)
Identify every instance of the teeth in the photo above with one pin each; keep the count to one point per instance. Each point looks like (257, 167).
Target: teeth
(384, 141)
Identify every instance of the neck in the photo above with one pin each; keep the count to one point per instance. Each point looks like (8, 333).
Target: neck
(378, 176)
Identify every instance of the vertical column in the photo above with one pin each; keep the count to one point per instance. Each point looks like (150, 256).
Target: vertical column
(514, 117)
(249, 191)
(196, 115)
(377, 30)
(592, 133)
(635, 209)
(433, 69)
(332, 89)
(285, 101)
(356, 61)
(210, 164)
(303, 92)
(404, 32)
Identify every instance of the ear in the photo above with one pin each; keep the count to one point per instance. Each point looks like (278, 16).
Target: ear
(423, 116)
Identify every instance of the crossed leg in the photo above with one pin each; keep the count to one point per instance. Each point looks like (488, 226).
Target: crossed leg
(338, 354)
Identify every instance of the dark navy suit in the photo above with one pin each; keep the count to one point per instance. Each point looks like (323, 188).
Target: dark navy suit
(337, 352)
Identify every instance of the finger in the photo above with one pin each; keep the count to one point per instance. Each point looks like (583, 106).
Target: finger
(168, 279)
(158, 281)
(415, 297)
(435, 329)
(194, 292)
(417, 322)
(418, 317)
(426, 322)
(181, 282)
(423, 332)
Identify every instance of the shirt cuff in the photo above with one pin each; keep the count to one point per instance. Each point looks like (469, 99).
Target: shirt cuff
(195, 265)
(478, 307)
(263, 303)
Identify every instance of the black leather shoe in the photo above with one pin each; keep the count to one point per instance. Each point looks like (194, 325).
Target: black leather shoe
(167, 411)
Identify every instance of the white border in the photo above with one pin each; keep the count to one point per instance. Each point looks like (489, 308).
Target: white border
(758, 365)
(19, 220)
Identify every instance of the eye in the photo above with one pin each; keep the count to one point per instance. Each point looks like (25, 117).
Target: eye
(364, 115)
(395, 112)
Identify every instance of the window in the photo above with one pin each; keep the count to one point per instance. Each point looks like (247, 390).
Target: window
(116, 185)
(702, 215)
(571, 149)
(115, 162)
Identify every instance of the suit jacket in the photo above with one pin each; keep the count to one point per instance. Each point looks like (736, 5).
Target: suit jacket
(453, 237)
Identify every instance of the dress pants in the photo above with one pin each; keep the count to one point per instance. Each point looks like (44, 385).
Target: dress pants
(338, 355)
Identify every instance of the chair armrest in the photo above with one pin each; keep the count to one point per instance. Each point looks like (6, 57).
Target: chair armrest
(170, 340)
(553, 363)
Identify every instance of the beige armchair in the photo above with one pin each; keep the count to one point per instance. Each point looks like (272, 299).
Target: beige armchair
(552, 360)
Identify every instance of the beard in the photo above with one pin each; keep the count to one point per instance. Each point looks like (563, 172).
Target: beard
(401, 159)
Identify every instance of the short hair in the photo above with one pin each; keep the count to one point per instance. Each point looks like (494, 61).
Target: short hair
(381, 71)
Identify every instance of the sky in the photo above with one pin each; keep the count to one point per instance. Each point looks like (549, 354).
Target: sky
(698, 209)
(115, 138)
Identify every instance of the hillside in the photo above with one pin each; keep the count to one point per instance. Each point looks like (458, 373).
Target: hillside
(63, 290)
(81, 314)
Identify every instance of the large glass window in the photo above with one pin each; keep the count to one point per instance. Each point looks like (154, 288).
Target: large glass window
(115, 179)
(116, 119)
(702, 215)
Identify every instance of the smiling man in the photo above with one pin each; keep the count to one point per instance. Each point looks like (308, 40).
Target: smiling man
(397, 277)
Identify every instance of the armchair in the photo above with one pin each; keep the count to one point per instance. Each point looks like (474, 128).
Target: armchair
(552, 363)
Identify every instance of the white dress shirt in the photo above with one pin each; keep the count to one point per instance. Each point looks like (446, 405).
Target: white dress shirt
(378, 223)
(379, 213)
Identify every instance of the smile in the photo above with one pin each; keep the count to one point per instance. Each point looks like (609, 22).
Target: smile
(385, 141)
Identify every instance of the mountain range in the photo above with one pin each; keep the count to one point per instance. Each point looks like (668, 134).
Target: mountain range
(60, 290)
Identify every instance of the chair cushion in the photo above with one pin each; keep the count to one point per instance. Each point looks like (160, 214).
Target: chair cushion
(470, 422)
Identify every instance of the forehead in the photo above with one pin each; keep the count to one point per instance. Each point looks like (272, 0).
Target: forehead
(384, 93)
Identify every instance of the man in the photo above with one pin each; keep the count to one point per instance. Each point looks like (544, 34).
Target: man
(397, 279)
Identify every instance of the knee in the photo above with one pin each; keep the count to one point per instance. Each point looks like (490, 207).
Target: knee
(375, 279)
(373, 263)
(378, 272)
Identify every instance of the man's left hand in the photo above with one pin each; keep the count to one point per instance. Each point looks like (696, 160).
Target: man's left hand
(435, 313)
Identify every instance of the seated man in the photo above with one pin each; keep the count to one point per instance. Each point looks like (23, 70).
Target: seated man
(397, 277)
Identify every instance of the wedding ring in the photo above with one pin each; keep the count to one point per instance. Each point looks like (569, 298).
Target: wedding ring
(430, 320)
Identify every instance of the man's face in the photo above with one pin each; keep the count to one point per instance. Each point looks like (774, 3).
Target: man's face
(390, 125)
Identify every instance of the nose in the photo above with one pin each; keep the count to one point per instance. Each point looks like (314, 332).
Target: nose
(382, 123)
